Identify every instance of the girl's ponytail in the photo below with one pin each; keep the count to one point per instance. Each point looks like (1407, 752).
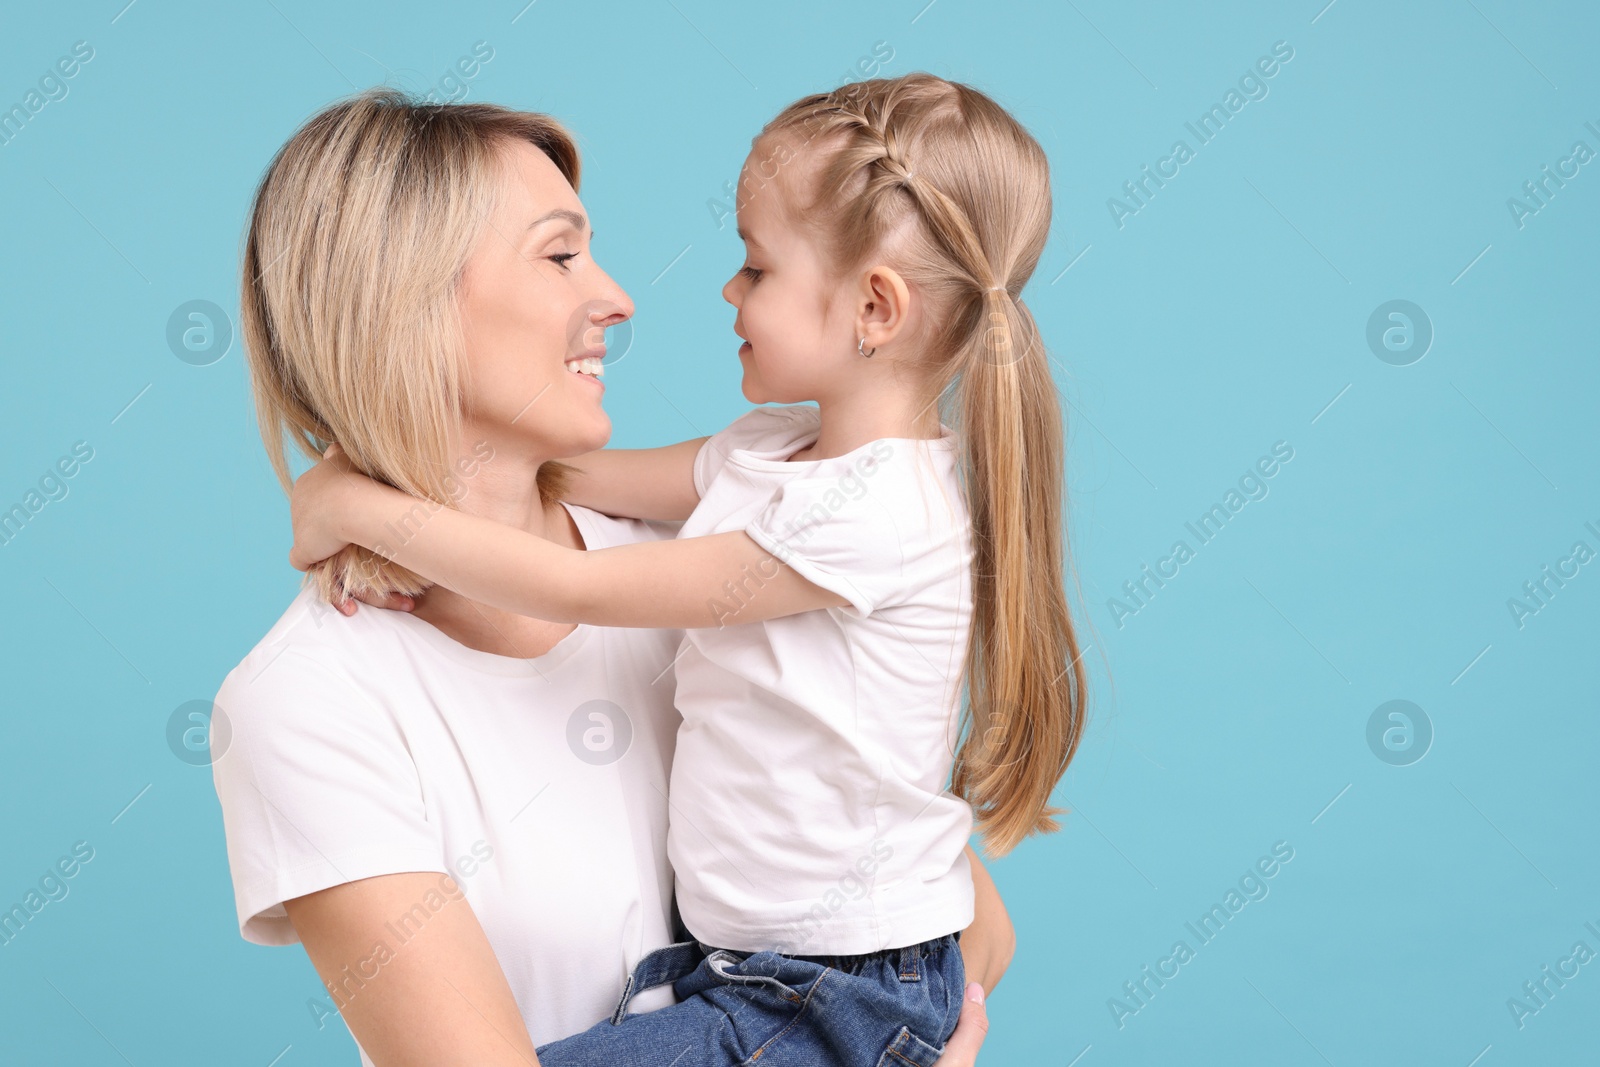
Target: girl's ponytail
(1025, 677)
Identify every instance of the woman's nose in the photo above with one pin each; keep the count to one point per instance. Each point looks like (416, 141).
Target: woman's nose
(610, 302)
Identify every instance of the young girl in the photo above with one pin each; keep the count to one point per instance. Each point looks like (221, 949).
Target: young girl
(843, 572)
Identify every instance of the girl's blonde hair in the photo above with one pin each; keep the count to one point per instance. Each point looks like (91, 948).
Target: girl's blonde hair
(359, 234)
(956, 189)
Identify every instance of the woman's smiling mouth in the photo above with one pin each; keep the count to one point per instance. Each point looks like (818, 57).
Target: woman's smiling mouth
(589, 365)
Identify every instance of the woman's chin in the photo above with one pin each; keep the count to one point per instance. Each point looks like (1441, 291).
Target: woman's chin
(577, 433)
(596, 431)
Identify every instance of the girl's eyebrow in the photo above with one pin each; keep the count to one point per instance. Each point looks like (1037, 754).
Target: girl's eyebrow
(745, 237)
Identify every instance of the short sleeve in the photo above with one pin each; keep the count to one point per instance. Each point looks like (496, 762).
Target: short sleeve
(604, 531)
(317, 789)
(850, 544)
(754, 429)
(658, 530)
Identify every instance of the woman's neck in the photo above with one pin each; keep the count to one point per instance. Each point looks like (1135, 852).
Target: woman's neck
(503, 488)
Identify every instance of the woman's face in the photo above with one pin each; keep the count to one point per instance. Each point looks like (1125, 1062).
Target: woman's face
(532, 301)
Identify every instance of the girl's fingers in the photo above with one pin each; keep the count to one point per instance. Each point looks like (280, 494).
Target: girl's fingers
(341, 600)
(392, 601)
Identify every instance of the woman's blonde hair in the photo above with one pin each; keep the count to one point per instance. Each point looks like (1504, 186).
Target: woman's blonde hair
(359, 234)
(958, 193)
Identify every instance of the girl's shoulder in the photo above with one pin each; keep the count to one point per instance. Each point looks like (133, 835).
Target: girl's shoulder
(770, 424)
(771, 431)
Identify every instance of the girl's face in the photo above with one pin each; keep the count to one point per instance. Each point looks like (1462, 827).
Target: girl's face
(794, 318)
(533, 301)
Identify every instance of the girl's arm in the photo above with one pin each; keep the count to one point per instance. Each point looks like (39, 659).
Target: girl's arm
(696, 582)
(639, 483)
(440, 997)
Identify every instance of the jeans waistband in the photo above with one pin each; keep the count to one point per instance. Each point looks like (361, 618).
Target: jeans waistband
(908, 958)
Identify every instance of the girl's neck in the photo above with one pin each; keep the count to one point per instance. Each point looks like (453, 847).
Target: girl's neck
(849, 422)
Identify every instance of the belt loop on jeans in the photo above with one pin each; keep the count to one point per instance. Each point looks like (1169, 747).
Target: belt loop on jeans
(911, 964)
(666, 964)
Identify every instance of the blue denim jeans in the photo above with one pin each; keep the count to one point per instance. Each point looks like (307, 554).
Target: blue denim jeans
(894, 1008)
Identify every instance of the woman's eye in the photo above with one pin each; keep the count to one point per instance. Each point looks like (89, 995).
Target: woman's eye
(563, 258)
(750, 272)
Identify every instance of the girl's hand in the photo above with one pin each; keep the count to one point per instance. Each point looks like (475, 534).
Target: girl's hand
(390, 601)
(962, 1048)
(317, 505)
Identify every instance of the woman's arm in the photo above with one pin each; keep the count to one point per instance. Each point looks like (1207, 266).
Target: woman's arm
(438, 998)
(694, 582)
(639, 483)
(986, 948)
(971, 1028)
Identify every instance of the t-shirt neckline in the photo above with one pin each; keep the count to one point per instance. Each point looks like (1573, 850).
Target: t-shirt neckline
(512, 666)
(778, 458)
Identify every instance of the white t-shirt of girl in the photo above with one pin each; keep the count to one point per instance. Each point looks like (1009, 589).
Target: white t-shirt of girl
(810, 813)
(377, 745)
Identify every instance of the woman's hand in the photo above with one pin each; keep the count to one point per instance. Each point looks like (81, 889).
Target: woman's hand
(962, 1048)
(317, 506)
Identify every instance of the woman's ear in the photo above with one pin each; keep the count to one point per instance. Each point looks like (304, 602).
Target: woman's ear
(884, 307)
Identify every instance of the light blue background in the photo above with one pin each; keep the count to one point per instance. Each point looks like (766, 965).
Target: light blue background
(1228, 314)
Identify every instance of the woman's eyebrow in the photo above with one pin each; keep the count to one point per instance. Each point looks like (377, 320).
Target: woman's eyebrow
(562, 214)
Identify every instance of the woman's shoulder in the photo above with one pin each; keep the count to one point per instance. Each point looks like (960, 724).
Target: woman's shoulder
(312, 657)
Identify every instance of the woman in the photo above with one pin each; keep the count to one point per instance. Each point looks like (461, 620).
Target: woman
(459, 812)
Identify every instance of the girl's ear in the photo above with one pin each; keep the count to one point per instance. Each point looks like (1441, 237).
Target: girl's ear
(884, 306)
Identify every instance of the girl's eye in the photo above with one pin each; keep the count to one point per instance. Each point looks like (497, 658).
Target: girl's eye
(750, 272)
(563, 258)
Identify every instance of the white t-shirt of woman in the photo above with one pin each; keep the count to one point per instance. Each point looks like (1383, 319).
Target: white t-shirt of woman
(377, 745)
